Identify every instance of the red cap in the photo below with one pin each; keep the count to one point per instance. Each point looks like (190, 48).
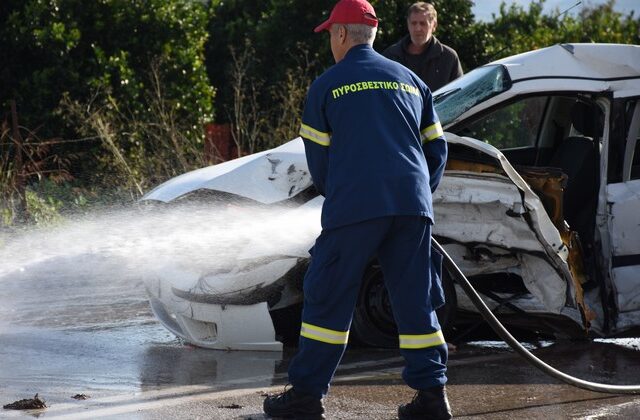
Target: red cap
(350, 11)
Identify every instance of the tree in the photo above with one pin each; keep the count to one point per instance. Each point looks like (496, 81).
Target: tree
(263, 56)
(279, 34)
(102, 53)
(516, 30)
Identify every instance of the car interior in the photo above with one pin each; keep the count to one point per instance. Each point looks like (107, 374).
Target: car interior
(542, 134)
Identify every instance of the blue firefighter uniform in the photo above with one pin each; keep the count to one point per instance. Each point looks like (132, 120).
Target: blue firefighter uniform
(376, 151)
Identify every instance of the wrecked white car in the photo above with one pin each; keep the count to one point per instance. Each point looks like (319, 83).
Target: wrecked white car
(539, 206)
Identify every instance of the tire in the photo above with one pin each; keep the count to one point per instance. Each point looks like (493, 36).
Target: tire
(373, 323)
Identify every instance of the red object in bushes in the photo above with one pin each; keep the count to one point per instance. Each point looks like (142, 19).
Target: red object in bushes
(218, 143)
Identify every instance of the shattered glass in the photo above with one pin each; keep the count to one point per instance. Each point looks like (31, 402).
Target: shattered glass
(455, 98)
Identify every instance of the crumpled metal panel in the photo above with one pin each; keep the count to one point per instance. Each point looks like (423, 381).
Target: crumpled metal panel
(543, 281)
(484, 215)
(483, 208)
(501, 210)
(267, 177)
(594, 61)
(541, 223)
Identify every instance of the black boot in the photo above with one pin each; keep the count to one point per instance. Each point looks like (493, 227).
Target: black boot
(293, 405)
(428, 404)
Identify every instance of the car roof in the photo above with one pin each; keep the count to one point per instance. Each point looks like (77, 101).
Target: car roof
(589, 61)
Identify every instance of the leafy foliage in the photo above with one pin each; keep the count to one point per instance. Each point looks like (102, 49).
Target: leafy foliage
(102, 53)
(273, 33)
(136, 78)
(262, 57)
(516, 30)
(37, 163)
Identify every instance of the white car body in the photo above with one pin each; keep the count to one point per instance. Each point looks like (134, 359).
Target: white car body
(497, 211)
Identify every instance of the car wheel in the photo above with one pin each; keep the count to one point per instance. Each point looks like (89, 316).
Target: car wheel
(373, 323)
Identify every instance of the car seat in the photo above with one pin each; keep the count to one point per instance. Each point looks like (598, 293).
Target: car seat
(577, 156)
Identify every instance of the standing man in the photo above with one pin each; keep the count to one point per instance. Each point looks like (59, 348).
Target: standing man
(435, 63)
(376, 151)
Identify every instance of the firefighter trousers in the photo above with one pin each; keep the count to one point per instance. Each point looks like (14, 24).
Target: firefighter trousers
(402, 246)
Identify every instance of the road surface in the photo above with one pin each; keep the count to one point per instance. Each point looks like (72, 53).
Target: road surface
(64, 333)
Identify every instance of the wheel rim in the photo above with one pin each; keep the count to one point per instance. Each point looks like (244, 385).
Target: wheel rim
(377, 304)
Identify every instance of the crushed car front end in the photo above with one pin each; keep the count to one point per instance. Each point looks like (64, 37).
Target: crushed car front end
(499, 213)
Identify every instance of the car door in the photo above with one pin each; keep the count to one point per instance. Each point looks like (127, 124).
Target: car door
(623, 199)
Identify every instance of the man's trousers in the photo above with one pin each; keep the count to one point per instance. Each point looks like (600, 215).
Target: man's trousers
(402, 245)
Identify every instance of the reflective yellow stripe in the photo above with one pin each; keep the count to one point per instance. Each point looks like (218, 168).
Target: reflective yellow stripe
(314, 135)
(432, 132)
(323, 334)
(421, 341)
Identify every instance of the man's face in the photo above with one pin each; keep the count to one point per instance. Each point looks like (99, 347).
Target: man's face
(420, 27)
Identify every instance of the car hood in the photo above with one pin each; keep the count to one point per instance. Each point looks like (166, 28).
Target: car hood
(266, 177)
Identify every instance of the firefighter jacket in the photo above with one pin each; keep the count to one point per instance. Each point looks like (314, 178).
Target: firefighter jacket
(372, 138)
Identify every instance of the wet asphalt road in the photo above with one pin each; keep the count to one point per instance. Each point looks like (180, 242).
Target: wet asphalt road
(63, 334)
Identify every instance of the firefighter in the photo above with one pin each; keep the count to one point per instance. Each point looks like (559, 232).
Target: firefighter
(376, 151)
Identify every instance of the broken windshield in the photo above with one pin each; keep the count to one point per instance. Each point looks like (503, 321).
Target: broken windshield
(455, 98)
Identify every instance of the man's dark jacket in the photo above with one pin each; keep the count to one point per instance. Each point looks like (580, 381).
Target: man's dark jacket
(438, 64)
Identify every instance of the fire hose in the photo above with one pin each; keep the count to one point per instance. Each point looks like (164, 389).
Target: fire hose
(491, 319)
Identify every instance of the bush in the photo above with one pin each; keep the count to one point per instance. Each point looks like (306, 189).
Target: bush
(101, 54)
(123, 83)
(516, 30)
